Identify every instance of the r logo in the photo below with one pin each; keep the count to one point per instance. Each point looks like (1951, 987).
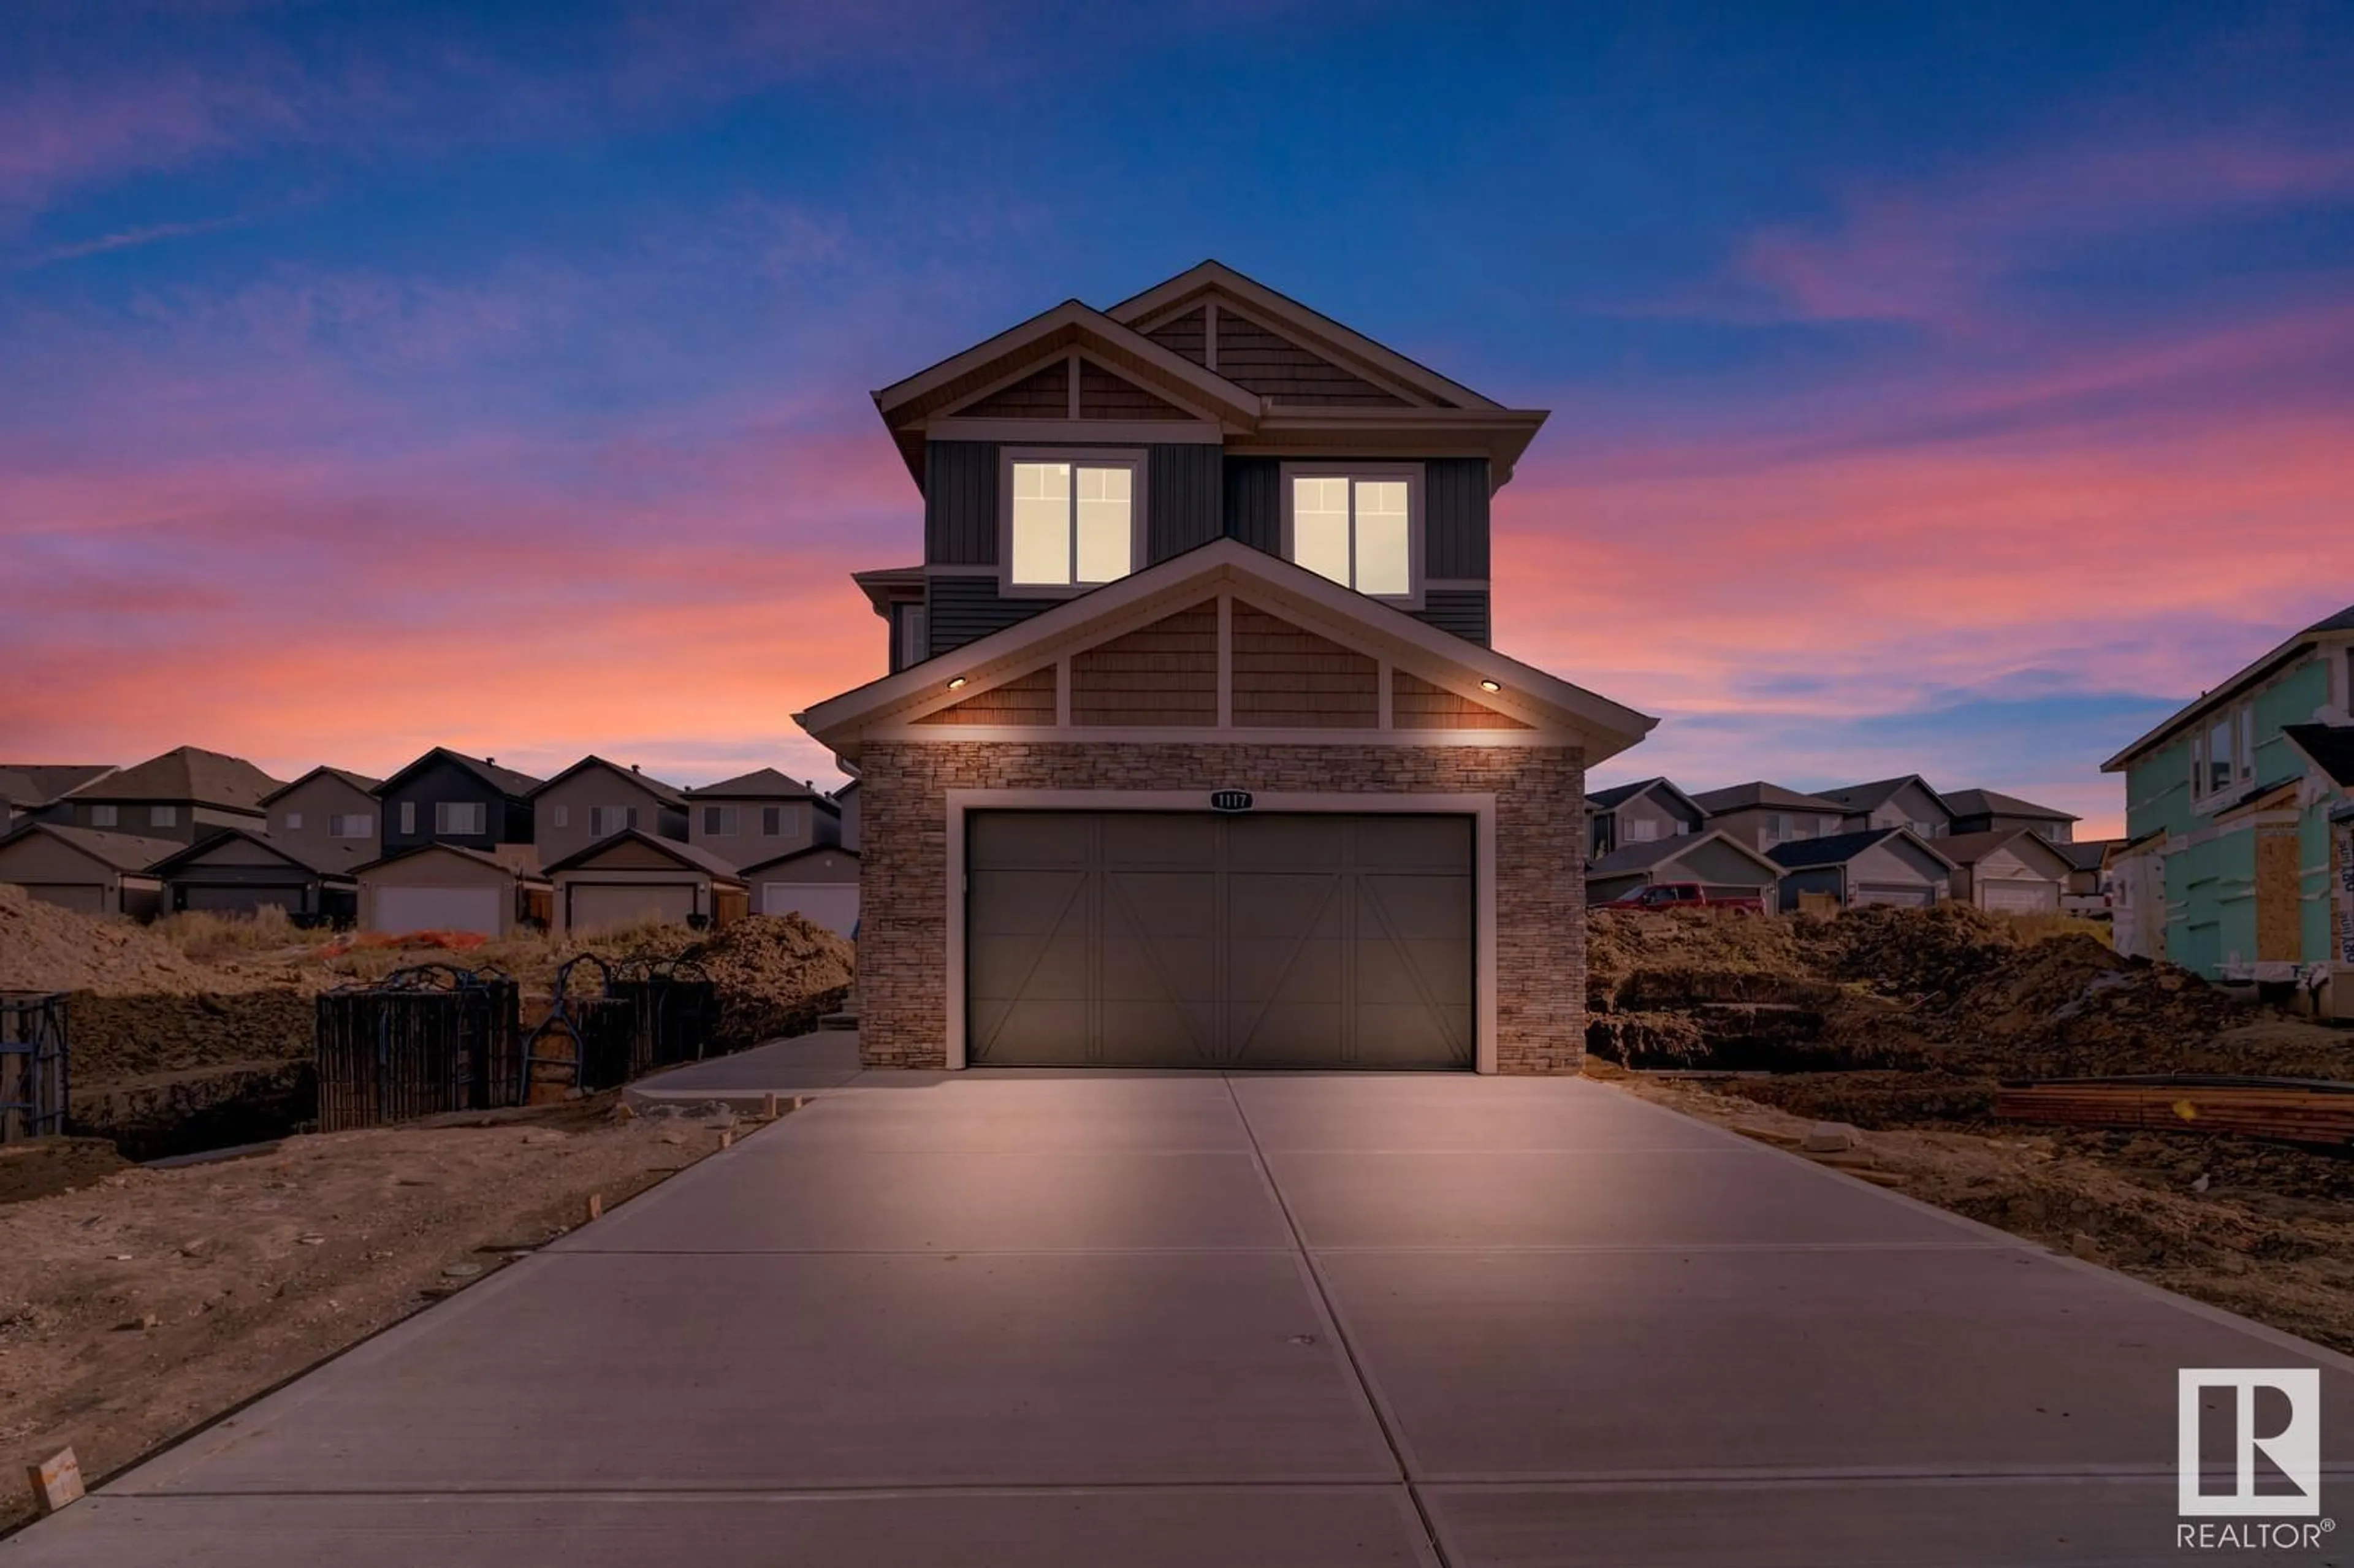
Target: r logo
(2295, 1450)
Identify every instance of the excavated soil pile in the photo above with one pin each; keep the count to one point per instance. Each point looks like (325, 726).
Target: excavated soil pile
(777, 975)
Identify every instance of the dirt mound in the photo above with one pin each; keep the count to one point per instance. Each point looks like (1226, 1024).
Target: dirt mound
(44, 946)
(1940, 952)
(777, 974)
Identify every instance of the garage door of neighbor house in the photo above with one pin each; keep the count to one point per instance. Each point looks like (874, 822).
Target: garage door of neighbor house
(439, 909)
(833, 905)
(2019, 897)
(1162, 939)
(595, 904)
(88, 897)
(231, 899)
(1910, 895)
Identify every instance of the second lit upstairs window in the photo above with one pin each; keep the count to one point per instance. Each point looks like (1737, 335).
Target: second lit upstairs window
(1359, 529)
(1073, 523)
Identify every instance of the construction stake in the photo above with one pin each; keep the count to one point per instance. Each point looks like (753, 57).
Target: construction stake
(57, 1482)
(727, 1137)
(768, 1106)
(596, 1205)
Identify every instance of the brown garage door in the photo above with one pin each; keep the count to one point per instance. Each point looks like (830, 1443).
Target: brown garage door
(1160, 939)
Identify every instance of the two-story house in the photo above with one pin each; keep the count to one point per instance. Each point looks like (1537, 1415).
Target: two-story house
(28, 789)
(448, 797)
(1991, 812)
(182, 797)
(1208, 761)
(1907, 802)
(458, 850)
(758, 817)
(2228, 870)
(1762, 815)
(1638, 814)
(593, 800)
(319, 831)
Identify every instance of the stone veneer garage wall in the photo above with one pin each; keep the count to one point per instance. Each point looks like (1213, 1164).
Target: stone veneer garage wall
(1539, 864)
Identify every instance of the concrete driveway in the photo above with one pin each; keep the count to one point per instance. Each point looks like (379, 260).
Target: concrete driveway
(1161, 1320)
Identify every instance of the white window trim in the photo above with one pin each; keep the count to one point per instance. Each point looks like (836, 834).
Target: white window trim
(1415, 552)
(1130, 458)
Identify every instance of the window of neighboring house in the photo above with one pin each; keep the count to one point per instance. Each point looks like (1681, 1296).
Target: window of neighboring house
(559, 816)
(1778, 827)
(408, 816)
(294, 822)
(1641, 830)
(352, 825)
(162, 816)
(1924, 829)
(1683, 828)
(725, 821)
(467, 817)
(101, 816)
(604, 822)
(1071, 522)
(772, 821)
(2223, 753)
(1358, 528)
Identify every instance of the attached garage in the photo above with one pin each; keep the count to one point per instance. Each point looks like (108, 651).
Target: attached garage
(819, 884)
(635, 876)
(2011, 872)
(1878, 865)
(85, 869)
(450, 888)
(1162, 939)
(239, 873)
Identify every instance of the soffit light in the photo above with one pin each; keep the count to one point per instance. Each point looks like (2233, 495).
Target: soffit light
(1489, 686)
(956, 683)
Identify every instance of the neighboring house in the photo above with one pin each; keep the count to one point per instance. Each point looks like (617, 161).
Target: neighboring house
(758, 816)
(1721, 864)
(2087, 891)
(327, 818)
(185, 795)
(1907, 802)
(2013, 871)
(1638, 814)
(87, 869)
(845, 801)
(240, 873)
(1211, 764)
(819, 884)
(633, 875)
(27, 789)
(2232, 821)
(448, 797)
(454, 887)
(1877, 865)
(1761, 815)
(1987, 811)
(593, 800)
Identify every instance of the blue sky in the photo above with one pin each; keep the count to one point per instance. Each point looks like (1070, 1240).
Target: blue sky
(1935, 389)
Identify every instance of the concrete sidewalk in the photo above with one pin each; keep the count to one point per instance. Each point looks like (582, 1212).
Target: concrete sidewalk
(1185, 1319)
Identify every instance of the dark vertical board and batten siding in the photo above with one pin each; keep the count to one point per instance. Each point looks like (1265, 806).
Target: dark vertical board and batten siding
(959, 505)
(1184, 505)
(1255, 502)
(1455, 508)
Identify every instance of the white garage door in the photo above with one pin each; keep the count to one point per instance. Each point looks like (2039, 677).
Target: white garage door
(590, 904)
(2019, 897)
(86, 896)
(439, 909)
(1909, 895)
(833, 905)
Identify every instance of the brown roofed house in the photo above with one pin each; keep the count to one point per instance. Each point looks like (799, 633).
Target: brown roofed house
(185, 795)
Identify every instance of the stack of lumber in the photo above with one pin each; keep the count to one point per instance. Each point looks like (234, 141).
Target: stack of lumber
(2287, 1110)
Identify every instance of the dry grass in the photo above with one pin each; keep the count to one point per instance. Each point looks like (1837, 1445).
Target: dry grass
(2029, 929)
(208, 938)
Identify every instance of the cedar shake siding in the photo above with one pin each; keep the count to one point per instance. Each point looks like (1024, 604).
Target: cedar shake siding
(1045, 396)
(1166, 674)
(1288, 678)
(1103, 396)
(1282, 372)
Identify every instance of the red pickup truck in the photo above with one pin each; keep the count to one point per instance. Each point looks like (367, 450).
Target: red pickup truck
(1686, 896)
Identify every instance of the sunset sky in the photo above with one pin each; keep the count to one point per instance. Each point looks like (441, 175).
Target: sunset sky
(1949, 390)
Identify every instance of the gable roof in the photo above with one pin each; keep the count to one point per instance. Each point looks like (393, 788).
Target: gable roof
(1617, 795)
(2330, 746)
(1994, 803)
(2086, 855)
(38, 783)
(186, 773)
(761, 784)
(692, 856)
(287, 853)
(2332, 626)
(1968, 848)
(802, 853)
(1757, 794)
(669, 794)
(1649, 853)
(117, 852)
(359, 781)
(505, 780)
(523, 866)
(1863, 798)
(1314, 329)
(1524, 692)
(1838, 849)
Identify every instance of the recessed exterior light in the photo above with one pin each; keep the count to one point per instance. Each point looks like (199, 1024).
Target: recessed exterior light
(1489, 686)
(957, 682)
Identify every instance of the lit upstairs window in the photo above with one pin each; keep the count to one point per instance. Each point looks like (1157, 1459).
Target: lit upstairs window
(1073, 523)
(1357, 529)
